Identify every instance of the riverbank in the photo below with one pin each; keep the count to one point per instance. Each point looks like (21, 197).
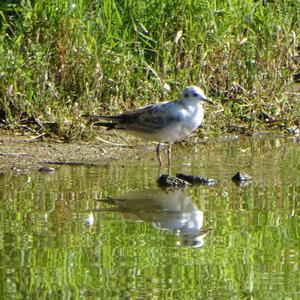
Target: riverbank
(22, 153)
(59, 61)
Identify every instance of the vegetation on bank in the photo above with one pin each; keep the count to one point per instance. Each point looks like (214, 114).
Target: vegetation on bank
(60, 59)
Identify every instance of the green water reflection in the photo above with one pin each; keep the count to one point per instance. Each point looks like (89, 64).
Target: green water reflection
(58, 242)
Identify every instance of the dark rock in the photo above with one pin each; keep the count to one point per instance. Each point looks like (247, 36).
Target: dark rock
(169, 181)
(241, 177)
(46, 169)
(196, 179)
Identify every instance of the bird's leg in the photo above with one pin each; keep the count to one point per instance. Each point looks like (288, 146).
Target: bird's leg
(158, 156)
(169, 157)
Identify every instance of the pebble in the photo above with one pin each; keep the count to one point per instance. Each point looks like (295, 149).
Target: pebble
(45, 169)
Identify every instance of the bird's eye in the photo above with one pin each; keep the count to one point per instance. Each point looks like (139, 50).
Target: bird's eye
(195, 94)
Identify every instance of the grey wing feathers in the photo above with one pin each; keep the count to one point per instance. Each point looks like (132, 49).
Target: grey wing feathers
(118, 122)
(146, 119)
(152, 118)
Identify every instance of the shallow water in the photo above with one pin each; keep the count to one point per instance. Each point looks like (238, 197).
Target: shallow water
(224, 241)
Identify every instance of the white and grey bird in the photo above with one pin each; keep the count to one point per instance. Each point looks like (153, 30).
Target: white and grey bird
(165, 122)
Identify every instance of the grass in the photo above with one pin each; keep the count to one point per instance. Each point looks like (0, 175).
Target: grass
(60, 59)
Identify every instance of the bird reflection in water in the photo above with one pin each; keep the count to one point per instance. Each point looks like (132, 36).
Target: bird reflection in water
(171, 210)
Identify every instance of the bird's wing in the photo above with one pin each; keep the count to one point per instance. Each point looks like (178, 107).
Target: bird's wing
(131, 115)
(150, 118)
(146, 119)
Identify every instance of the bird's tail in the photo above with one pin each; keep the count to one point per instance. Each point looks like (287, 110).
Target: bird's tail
(99, 117)
(108, 125)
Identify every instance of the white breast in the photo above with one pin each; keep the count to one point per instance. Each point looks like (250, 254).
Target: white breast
(190, 116)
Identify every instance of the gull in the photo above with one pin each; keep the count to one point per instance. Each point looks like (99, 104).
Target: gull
(165, 122)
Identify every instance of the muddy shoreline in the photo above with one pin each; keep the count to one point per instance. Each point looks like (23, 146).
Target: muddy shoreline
(24, 152)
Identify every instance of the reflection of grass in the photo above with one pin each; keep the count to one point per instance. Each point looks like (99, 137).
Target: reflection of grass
(59, 59)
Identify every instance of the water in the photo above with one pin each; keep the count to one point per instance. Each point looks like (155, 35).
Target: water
(57, 241)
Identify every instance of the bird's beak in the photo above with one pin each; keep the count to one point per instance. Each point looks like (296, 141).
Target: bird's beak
(209, 101)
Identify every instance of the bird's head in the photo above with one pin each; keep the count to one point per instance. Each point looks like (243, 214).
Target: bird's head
(195, 93)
